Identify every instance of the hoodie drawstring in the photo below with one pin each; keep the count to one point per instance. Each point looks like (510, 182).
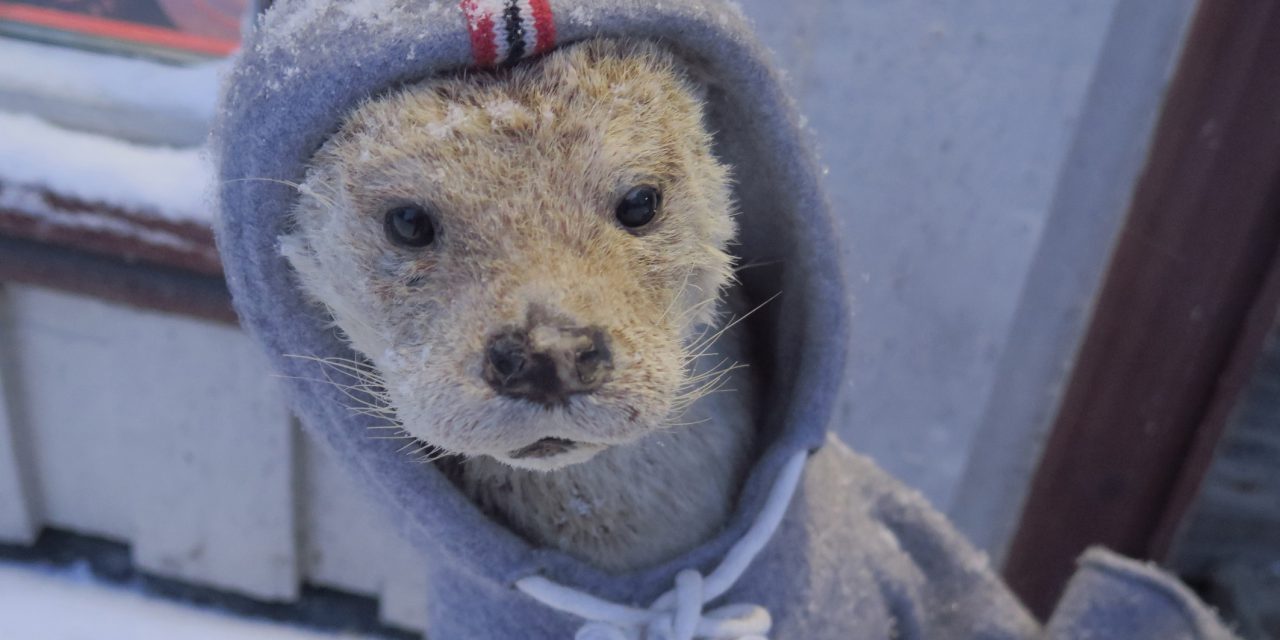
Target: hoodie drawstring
(678, 614)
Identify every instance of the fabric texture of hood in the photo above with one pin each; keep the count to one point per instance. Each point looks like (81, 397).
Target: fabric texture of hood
(856, 553)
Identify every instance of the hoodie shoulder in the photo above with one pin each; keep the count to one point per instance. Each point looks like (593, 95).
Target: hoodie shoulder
(860, 550)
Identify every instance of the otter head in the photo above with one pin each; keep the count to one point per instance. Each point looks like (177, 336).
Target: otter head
(527, 257)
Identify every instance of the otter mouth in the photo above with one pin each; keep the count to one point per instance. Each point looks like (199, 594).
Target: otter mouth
(544, 448)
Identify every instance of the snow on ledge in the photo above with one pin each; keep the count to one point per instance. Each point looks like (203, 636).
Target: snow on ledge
(104, 79)
(52, 605)
(161, 181)
(133, 98)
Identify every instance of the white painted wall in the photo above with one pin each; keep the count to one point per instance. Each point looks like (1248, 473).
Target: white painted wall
(162, 431)
(347, 541)
(169, 434)
(17, 522)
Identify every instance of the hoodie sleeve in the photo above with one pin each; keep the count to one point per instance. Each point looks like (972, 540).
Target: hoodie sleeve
(950, 590)
(1113, 597)
(936, 585)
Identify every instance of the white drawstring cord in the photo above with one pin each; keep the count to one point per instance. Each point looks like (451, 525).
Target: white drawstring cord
(677, 614)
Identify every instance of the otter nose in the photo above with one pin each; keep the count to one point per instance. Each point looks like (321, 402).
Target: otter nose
(547, 364)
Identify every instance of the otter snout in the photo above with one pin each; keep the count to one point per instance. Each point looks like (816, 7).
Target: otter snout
(547, 364)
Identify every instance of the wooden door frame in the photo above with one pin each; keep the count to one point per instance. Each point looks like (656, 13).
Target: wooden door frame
(1191, 289)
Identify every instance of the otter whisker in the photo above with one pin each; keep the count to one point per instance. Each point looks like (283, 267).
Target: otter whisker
(690, 358)
(715, 386)
(718, 374)
(753, 265)
(714, 373)
(698, 308)
(347, 364)
(684, 283)
(341, 387)
(716, 379)
(371, 412)
(375, 405)
(373, 390)
(708, 341)
(355, 368)
(365, 377)
(300, 188)
(692, 378)
(422, 447)
(704, 352)
(436, 454)
(412, 441)
(670, 425)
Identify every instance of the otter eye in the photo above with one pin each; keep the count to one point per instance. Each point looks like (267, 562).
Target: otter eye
(410, 226)
(639, 206)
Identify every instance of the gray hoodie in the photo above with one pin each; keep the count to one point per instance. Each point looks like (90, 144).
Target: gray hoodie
(855, 555)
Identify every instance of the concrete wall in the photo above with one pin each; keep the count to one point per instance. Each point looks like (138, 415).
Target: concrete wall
(1095, 187)
(946, 127)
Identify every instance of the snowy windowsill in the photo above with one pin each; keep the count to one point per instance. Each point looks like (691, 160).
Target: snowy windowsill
(140, 213)
(121, 97)
(90, 192)
(101, 153)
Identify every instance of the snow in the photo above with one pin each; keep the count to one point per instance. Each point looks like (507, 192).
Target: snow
(581, 15)
(505, 112)
(479, 9)
(98, 79)
(171, 183)
(371, 10)
(284, 19)
(455, 115)
(288, 21)
(70, 605)
(31, 202)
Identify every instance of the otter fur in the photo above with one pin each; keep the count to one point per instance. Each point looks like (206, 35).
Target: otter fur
(519, 174)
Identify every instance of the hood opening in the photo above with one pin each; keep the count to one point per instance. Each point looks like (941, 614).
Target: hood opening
(307, 66)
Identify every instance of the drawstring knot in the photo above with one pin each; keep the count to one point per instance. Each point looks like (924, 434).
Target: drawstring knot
(678, 614)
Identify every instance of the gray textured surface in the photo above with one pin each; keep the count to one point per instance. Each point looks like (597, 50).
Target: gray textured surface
(944, 126)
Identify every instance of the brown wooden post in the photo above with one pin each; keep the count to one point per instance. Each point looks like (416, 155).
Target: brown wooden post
(1200, 239)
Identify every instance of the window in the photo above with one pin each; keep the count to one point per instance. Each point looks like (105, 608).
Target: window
(172, 29)
(104, 109)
